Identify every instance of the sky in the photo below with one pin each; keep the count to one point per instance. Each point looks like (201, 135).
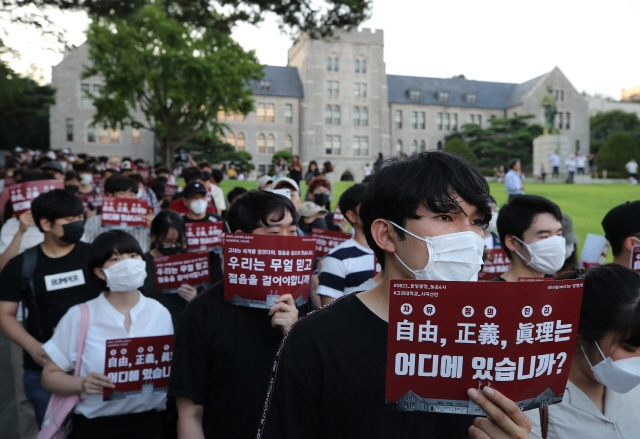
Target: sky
(595, 44)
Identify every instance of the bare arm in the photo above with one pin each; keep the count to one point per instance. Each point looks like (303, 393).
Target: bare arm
(26, 220)
(16, 332)
(325, 300)
(57, 381)
(189, 419)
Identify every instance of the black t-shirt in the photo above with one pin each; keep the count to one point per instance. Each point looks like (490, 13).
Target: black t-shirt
(59, 284)
(222, 360)
(330, 382)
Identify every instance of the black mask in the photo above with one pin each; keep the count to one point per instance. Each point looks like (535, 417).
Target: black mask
(72, 188)
(72, 232)
(321, 199)
(206, 176)
(318, 223)
(168, 251)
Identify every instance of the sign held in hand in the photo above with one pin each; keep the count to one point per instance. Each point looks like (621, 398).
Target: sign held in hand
(22, 194)
(185, 268)
(128, 212)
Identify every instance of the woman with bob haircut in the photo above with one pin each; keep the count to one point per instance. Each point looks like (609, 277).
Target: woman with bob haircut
(602, 397)
(116, 263)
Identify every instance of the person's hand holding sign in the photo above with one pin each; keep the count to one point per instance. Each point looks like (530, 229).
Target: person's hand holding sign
(95, 383)
(26, 220)
(187, 292)
(504, 420)
(284, 313)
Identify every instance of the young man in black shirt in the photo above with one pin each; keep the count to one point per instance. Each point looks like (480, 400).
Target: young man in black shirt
(329, 376)
(223, 353)
(57, 281)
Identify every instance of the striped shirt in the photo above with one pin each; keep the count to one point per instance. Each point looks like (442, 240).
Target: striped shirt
(93, 228)
(345, 268)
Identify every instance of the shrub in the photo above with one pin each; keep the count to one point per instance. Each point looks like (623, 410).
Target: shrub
(615, 152)
(458, 147)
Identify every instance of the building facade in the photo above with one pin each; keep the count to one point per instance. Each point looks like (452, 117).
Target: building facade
(333, 102)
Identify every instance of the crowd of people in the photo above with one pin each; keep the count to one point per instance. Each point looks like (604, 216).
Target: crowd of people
(311, 370)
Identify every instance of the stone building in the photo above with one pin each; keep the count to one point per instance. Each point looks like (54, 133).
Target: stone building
(333, 102)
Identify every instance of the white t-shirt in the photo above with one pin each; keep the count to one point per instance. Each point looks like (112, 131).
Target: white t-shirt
(632, 167)
(148, 318)
(30, 238)
(555, 159)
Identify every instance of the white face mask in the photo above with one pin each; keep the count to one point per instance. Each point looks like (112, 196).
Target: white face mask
(547, 255)
(621, 376)
(126, 275)
(86, 179)
(140, 193)
(455, 256)
(568, 251)
(493, 224)
(198, 206)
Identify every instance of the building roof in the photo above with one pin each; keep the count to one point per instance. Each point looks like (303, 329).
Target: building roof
(497, 95)
(279, 81)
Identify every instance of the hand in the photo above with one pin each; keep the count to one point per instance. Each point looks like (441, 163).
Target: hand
(95, 383)
(504, 420)
(284, 313)
(344, 226)
(522, 187)
(38, 354)
(26, 220)
(149, 218)
(187, 292)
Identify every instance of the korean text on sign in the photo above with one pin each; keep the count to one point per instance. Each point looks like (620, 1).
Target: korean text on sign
(327, 240)
(185, 268)
(124, 211)
(496, 261)
(94, 199)
(138, 366)
(204, 235)
(447, 337)
(259, 268)
(22, 194)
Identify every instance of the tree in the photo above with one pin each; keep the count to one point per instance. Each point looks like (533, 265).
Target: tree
(458, 147)
(604, 124)
(175, 74)
(209, 147)
(616, 151)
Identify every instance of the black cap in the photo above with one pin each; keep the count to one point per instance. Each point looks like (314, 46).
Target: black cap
(54, 166)
(195, 187)
(622, 221)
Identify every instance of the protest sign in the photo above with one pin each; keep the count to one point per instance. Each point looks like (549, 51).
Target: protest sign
(184, 268)
(259, 268)
(144, 172)
(127, 212)
(338, 217)
(327, 240)
(171, 189)
(447, 337)
(22, 194)
(98, 181)
(535, 279)
(138, 366)
(204, 235)
(496, 262)
(377, 268)
(634, 263)
(594, 251)
(94, 199)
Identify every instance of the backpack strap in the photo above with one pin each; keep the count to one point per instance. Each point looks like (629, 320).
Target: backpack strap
(29, 261)
(85, 318)
(544, 420)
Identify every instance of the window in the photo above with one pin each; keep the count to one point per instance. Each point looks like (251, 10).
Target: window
(288, 113)
(357, 89)
(357, 68)
(364, 66)
(399, 147)
(262, 110)
(85, 99)
(364, 117)
(559, 115)
(265, 85)
(328, 144)
(414, 146)
(423, 146)
(336, 65)
(364, 145)
(447, 121)
(360, 90)
(262, 170)
(329, 64)
(356, 144)
(398, 118)
(271, 144)
(562, 95)
(231, 116)
(414, 95)
(337, 145)
(115, 135)
(439, 145)
(135, 136)
(480, 119)
(240, 142)
(336, 88)
(568, 125)
(414, 120)
(439, 121)
(329, 88)
(240, 117)
(443, 96)
(271, 113)
(473, 118)
(103, 135)
(471, 98)
(328, 115)
(261, 143)
(231, 139)
(91, 134)
(288, 143)
(454, 121)
(363, 89)
(356, 116)
(69, 129)
(97, 90)
(336, 115)
(422, 120)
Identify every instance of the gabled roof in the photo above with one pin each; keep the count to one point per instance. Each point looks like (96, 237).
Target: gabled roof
(282, 81)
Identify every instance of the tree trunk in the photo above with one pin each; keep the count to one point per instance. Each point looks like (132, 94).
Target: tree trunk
(167, 151)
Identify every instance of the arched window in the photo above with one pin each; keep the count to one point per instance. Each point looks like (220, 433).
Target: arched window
(231, 139)
(414, 146)
(357, 66)
(439, 145)
(356, 116)
(261, 143)
(328, 115)
(336, 115)
(364, 66)
(91, 134)
(115, 135)
(423, 146)
(240, 142)
(329, 64)
(271, 144)
(288, 143)
(364, 117)
(399, 147)
(222, 138)
(103, 135)
(335, 65)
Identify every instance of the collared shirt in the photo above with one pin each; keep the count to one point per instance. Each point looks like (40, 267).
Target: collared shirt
(93, 228)
(30, 238)
(555, 159)
(512, 183)
(148, 318)
(576, 416)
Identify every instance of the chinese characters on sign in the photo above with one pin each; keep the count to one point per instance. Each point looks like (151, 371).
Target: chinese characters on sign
(138, 366)
(22, 194)
(204, 235)
(259, 268)
(447, 337)
(185, 268)
(327, 241)
(124, 211)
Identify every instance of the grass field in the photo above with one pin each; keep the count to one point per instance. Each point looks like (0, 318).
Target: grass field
(586, 204)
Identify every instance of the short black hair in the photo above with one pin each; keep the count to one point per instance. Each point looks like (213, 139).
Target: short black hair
(235, 193)
(105, 245)
(518, 215)
(351, 199)
(162, 170)
(164, 222)
(217, 174)
(55, 204)
(159, 189)
(139, 179)
(82, 168)
(513, 162)
(36, 175)
(255, 208)
(120, 183)
(70, 175)
(191, 174)
(431, 179)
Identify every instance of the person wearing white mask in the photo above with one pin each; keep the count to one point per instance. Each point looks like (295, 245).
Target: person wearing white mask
(116, 263)
(424, 218)
(530, 229)
(602, 396)
(196, 200)
(622, 230)
(86, 179)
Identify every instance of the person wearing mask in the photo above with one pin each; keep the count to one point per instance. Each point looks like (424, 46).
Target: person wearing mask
(72, 181)
(223, 353)
(295, 170)
(116, 264)
(320, 190)
(622, 230)
(327, 174)
(512, 181)
(530, 229)
(294, 189)
(602, 396)
(145, 193)
(86, 179)
(54, 168)
(571, 252)
(312, 172)
(191, 175)
(49, 279)
(351, 263)
(491, 237)
(318, 388)
(312, 217)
